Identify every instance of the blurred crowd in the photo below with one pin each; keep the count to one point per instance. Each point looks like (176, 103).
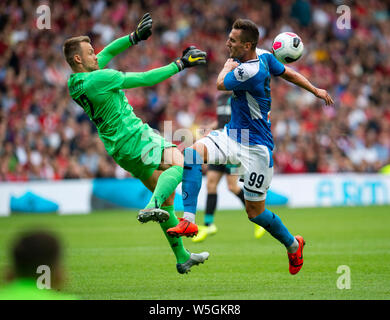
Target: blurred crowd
(46, 135)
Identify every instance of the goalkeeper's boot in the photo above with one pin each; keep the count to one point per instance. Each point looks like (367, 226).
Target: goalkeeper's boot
(194, 260)
(204, 232)
(296, 259)
(259, 231)
(184, 228)
(152, 214)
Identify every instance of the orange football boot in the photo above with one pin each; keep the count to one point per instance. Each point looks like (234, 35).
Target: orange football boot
(295, 260)
(184, 228)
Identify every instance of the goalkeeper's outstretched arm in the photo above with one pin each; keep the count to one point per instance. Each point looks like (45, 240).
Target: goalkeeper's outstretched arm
(142, 32)
(111, 50)
(108, 79)
(148, 78)
(191, 57)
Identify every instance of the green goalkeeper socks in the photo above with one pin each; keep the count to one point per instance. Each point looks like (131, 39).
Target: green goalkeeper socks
(166, 185)
(181, 254)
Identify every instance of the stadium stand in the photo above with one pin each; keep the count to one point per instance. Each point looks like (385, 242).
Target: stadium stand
(45, 135)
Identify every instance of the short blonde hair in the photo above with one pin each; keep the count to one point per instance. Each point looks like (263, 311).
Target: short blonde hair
(72, 46)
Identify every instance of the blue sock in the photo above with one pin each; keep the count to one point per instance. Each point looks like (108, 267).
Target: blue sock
(272, 223)
(208, 219)
(192, 179)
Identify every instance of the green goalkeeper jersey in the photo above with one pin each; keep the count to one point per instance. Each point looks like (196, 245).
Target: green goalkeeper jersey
(100, 94)
(26, 289)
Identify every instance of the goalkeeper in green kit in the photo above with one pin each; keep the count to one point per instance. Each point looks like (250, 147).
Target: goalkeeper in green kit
(132, 143)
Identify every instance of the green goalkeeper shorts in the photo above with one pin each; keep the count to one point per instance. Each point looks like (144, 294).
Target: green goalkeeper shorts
(141, 157)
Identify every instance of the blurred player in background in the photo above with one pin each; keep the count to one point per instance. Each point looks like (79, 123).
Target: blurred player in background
(214, 175)
(247, 138)
(29, 251)
(132, 143)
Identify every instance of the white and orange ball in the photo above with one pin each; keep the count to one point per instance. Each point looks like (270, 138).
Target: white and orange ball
(287, 47)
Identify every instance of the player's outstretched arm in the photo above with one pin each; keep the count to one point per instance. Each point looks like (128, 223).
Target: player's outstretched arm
(230, 65)
(191, 57)
(298, 79)
(142, 32)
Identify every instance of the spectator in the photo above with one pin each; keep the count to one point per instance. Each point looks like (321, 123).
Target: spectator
(31, 250)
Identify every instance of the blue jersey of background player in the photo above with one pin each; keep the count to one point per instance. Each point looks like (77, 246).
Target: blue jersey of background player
(251, 99)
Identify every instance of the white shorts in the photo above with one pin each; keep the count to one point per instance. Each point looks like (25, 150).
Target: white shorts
(255, 162)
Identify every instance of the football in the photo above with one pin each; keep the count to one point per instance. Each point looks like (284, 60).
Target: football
(287, 47)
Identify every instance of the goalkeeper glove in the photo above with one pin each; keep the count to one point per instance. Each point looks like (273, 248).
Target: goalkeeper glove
(191, 57)
(143, 30)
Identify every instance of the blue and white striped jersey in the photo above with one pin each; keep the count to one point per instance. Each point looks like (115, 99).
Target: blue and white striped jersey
(251, 99)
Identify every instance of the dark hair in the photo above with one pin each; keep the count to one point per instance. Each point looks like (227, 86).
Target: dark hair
(32, 249)
(72, 47)
(249, 33)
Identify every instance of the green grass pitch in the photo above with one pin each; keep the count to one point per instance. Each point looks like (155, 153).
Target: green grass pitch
(110, 255)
